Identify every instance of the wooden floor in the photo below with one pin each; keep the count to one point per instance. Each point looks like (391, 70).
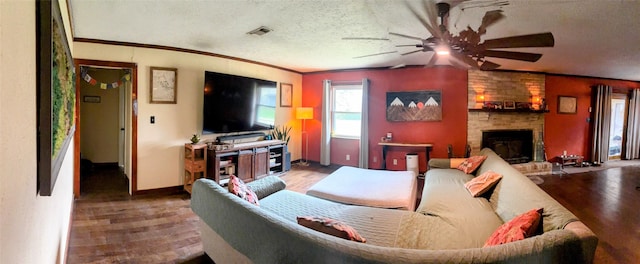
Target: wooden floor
(608, 202)
(109, 226)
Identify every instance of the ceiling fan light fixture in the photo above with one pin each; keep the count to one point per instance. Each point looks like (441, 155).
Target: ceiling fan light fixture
(441, 50)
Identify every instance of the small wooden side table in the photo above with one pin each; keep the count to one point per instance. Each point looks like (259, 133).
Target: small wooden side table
(386, 145)
(195, 164)
(570, 160)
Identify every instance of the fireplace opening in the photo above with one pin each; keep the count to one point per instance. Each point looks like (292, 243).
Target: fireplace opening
(513, 145)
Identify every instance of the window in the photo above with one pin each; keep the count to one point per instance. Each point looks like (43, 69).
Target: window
(267, 106)
(616, 129)
(346, 111)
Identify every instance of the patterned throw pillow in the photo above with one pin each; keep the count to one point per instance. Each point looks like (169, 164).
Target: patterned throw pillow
(471, 164)
(330, 227)
(520, 227)
(455, 162)
(237, 187)
(479, 185)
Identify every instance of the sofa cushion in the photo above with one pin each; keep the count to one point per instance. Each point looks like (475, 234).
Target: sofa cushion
(367, 220)
(240, 189)
(470, 220)
(518, 228)
(516, 194)
(471, 164)
(331, 227)
(481, 184)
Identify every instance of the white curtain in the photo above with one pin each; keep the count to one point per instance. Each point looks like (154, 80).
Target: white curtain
(363, 162)
(325, 135)
(601, 123)
(632, 147)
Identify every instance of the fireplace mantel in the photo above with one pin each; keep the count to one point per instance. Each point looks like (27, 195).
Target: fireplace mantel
(489, 110)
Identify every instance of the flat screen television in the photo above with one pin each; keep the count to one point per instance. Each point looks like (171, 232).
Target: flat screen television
(237, 104)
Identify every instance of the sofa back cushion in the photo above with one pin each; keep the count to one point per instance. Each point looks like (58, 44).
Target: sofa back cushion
(516, 194)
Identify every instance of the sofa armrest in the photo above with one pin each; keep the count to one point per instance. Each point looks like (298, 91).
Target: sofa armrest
(445, 163)
(266, 186)
(587, 238)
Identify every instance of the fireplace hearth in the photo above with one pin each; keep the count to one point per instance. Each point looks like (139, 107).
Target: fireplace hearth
(513, 145)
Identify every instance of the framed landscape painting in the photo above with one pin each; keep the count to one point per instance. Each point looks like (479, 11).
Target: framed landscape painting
(55, 94)
(414, 106)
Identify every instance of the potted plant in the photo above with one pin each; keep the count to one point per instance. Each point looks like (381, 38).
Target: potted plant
(284, 134)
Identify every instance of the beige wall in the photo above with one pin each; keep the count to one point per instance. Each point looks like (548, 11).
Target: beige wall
(33, 228)
(160, 145)
(99, 121)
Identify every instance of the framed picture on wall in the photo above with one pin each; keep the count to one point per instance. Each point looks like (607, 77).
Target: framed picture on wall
(163, 82)
(286, 94)
(567, 104)
(56, 93)
(509, 104)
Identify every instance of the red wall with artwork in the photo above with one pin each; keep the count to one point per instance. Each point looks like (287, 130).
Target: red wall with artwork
(572, 132)
(452, 129)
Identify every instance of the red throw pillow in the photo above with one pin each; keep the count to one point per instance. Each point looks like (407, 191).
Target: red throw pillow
(471, 164)
(520, 227)
(237, 187)
(330, 227)
(480, 184)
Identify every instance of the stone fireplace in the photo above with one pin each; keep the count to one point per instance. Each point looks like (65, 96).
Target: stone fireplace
(502, 86)
(513, 87)
(513, 145)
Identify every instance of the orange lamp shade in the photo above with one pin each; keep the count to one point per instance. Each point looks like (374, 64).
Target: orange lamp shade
(304, 113)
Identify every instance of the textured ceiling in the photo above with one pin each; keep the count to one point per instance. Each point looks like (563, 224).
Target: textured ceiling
(599, 38)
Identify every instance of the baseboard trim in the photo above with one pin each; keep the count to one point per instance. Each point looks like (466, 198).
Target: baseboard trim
(161, 191)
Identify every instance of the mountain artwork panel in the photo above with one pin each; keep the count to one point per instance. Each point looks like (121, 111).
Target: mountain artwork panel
(414, 106)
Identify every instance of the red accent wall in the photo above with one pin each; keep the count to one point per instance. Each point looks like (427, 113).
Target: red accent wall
(451, 130)
(572, 132)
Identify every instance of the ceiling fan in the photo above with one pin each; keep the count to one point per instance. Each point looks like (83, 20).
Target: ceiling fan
(465, 49)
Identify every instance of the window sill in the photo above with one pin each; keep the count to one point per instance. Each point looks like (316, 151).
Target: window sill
(346, 137)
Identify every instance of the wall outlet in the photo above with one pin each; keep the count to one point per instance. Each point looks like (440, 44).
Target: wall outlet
(375, 159)
(348, 157)
(395, 161)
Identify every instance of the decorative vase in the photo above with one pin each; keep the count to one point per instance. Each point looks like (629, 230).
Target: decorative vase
(539, 149)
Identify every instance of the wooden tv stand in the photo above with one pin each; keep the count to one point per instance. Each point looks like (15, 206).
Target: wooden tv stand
(248, 161)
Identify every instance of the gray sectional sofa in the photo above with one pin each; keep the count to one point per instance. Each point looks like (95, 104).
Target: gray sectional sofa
(448, 226)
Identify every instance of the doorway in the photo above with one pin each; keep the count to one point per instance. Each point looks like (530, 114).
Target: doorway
(105, 140)
(617, 127)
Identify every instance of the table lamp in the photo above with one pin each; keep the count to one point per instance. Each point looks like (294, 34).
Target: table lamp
(305, 113)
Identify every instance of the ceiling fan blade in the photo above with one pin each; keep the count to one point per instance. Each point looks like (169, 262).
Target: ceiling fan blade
(512, 55)
(458, 64)
(490, 18)
(365, 38)
(405, 36)
(487, 66)
(432, 28)
(375, 54)
(432, 61)
(411, 52)
(464, 59)
(410, 45)
(533, 40)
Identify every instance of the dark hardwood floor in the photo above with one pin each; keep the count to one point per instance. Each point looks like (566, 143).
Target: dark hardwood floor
(109, 226)
(608, 202)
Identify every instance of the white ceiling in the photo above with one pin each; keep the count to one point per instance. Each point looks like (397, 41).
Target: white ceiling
(599, 38)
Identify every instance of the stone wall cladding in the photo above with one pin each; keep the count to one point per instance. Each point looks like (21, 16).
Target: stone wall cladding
(500, 86)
